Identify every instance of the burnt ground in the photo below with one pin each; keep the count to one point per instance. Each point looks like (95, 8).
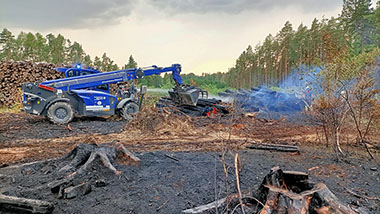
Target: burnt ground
(168, 182)
(180, 161)
(22, 126)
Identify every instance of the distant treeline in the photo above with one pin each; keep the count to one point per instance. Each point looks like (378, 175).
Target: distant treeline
(208, 82)
(356, 30)
(51, 49)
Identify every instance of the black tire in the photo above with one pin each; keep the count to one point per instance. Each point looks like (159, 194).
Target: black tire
(60, 113)
(129, 110)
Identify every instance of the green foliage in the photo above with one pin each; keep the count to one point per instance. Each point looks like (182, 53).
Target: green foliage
(7, 43)
(131, 63)
(207, 82)
(357, 23)
(354, 32)
(49, 48)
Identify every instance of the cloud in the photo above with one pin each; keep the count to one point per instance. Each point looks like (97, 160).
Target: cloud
(76, 14)
(237, 6)
(47, 14)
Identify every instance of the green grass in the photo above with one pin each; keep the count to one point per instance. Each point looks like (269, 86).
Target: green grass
(12, 109)
(151, 98)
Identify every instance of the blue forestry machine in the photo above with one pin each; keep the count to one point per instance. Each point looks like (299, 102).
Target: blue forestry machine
(87, 92)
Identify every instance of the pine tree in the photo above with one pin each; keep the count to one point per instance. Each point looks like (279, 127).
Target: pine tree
(285, 36)
(6, 44)
(30, 47)
(19, 47)
(87, 61)
(77, 53)
(69, 56)
(51, 48)
(97, 63)
(356, 22)
(106, 61)
(131, 63)
(60, 43)
(41, 48)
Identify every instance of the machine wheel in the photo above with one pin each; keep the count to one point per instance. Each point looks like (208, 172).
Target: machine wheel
(129, 110)
(60, 113)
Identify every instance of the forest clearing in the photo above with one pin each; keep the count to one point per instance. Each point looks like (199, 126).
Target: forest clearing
(290, 125)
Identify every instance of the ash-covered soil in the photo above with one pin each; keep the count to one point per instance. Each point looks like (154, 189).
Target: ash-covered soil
(181, 160)
(169, 182)
(26, 137)
(23, 126)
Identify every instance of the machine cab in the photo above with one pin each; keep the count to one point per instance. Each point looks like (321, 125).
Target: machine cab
(76, 70)
(80, 70)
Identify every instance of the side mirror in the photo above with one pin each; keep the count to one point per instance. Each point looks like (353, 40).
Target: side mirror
(143, 89)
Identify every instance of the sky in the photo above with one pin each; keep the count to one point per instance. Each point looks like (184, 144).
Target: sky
(204, 36)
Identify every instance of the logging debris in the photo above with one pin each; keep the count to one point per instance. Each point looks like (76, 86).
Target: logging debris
(204, 107)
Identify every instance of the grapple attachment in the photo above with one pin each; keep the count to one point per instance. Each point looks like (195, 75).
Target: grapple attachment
(186, 95)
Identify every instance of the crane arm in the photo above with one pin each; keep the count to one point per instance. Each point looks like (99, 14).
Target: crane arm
(96, 79)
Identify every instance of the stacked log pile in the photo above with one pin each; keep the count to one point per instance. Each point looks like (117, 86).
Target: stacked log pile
(13, 74)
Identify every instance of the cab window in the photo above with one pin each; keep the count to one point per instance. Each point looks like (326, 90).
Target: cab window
(103, 87)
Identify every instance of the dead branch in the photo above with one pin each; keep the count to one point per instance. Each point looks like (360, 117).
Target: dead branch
(202, 208)
(274, 147)
(237, 170)
(25, 204)
(361, 196)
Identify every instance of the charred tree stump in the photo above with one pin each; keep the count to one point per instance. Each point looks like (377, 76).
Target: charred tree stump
(285, 192)
(85, 155)
(84, 161)
(290, 192)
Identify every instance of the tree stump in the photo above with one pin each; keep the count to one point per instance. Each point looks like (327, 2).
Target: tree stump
(78, 173)
(291, 192)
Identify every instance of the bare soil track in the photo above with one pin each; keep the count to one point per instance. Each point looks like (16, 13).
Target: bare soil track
(180, 161)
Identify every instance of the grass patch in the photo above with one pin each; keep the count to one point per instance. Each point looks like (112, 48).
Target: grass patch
(12, 109)
(151, 98)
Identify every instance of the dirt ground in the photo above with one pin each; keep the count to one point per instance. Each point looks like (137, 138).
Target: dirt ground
(28, 138)
(181, 160)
